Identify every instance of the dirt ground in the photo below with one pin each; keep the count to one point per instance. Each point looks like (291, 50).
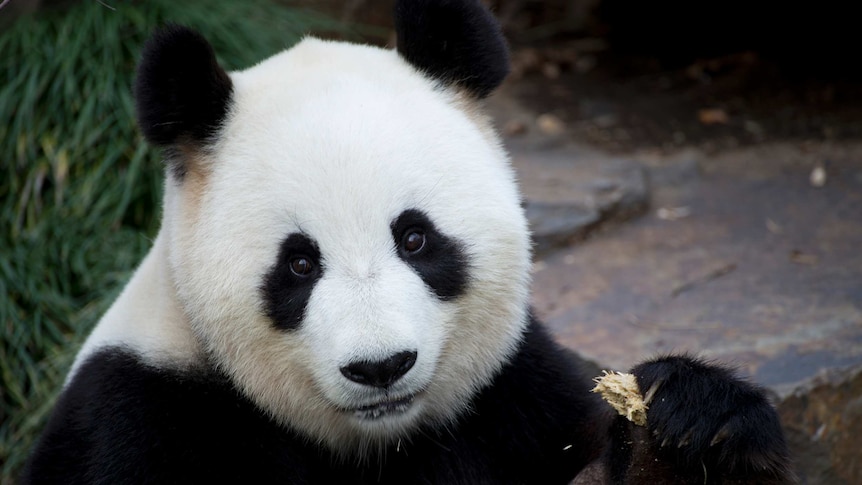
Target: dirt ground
(625, 104)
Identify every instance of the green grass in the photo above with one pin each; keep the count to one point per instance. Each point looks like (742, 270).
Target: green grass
(79, 188)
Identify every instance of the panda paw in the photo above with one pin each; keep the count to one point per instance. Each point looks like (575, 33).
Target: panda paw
(702, 417)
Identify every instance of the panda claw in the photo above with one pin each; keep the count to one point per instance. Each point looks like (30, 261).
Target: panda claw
(665, 442)
(686, 439)
(650, 394)
(722, 435)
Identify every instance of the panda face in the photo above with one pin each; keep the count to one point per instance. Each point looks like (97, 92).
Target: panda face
(350, 249)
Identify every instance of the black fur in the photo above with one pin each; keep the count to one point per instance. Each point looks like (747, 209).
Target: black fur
(441, 263)
(121, 421)
(704, 425)
(455, 41)
(708, 417)
(182, 95)
(710, 424)
(286, 294)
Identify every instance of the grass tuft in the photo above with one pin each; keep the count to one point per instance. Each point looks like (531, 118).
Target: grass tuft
(79, 189)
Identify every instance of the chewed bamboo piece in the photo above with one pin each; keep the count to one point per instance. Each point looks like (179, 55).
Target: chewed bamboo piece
(621, 392)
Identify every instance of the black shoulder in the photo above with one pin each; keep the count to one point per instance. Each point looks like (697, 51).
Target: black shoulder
(455, 41)
(122, 421)
(540, 409)
(182, 94)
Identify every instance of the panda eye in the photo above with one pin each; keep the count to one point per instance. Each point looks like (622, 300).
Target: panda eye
(301, 266)
(413, 241)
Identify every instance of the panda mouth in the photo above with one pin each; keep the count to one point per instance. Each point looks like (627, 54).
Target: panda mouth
(381, 409)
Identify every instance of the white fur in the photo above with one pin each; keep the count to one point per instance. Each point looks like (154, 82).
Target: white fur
(336, 140)
(146, 317)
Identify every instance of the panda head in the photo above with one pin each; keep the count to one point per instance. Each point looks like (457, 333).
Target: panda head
(345, 233)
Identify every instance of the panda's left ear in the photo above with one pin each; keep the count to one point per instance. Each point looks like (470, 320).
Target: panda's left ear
(455, 41)
(182, 94)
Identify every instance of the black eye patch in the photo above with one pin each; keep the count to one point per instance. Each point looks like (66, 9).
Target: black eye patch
(288, 284)
(438, 259)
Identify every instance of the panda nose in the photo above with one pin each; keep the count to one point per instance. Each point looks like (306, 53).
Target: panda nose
(381, 373)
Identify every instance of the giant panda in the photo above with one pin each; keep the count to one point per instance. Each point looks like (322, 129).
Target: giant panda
(339, 294)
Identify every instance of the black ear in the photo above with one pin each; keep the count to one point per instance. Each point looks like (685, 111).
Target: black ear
(181, 93)
(455, 41)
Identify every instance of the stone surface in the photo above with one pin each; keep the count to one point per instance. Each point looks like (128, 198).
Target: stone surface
(569, 189)
(823, 420)
(568, 196)
(761, 269)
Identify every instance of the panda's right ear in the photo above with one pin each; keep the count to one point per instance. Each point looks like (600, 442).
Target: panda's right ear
(182, 95)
